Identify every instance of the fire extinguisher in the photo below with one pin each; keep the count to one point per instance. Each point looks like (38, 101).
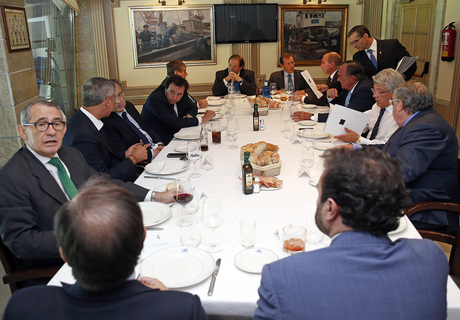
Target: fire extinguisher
(448, 42)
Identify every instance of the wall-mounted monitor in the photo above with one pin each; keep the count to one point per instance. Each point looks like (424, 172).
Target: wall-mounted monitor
(237, 23)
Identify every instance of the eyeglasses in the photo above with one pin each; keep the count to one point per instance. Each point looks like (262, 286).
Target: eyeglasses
(121, 95)
(392, 102)
(356, 41)
(43, 126)
(379, 92)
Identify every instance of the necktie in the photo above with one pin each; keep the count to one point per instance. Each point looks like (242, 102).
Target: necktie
(377, 124)
(68, 185)
(372, 57)
(290, 78)
(347, 99)
(237, 85)
(135, 129)
(329, 79)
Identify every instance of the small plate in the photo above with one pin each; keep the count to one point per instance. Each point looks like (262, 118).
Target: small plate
(178, 267)
(402, 225)
(315, 135)
(309, 106)
(264, 188)
(187, 135)
(307, 123)
(181, 148)
(165, 167)
(213, 98)
(253, 260)
(323, 146)
(216, 102)
(154, 213)
(237, 96)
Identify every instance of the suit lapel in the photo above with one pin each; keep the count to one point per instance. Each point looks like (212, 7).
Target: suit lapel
(47, 182)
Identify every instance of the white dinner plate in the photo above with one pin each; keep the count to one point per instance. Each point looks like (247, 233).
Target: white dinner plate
(165, 167)
(309, 106)
(181, 148)
(213, 98)
(238, 96)
(323, 146)
(314, 135)
(154, 213)
(252, 260)
(222, 127)
(217, 117)
(307, 123)
(402, 225)
(178, 267)
(187, 135)
(216, 102)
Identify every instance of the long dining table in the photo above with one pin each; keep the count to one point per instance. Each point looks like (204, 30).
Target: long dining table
(235, 292)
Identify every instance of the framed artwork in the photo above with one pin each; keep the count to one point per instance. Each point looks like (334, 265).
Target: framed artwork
(16, 30)
(310, 31)
(162, 34)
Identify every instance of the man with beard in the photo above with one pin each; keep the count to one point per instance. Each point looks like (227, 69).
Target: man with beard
(362, 274)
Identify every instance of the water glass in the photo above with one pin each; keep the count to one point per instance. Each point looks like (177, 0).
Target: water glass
(216, 128)
(193, 155)
(189, 233)
(248, 233)
(294, 239)
(232, 131)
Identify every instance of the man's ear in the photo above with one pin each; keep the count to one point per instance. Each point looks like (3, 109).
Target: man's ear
(331, 209)
(62, 254)
(21, 130)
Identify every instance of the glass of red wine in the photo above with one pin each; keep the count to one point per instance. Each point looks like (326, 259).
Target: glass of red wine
(182, 192)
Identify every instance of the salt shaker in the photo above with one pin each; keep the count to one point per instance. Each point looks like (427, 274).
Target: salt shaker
(262, 126)
(256, 185)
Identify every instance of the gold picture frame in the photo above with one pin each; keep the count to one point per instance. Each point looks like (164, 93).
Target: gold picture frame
(309, 31)
(16, 29)
(162, 34)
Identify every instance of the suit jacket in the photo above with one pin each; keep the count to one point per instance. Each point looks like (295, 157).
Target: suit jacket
(389, 53)
(119, 133)
(426, 149)
(361, 98)
(160, 114)
(359, 276)
(132, 300)
(322, 101)
(187, 104)
(278, 78)
(29, 199)
(95, 147)
(248, 87)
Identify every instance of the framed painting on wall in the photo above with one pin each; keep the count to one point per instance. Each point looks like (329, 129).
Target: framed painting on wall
(162, 34)
(310, 31)
(16, 30)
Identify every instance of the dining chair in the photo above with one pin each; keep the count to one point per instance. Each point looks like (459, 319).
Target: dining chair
(13, 277)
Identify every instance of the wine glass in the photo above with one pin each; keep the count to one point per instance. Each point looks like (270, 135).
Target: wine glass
(212, 218)
(182, 192)
(193, 155)
(231, 88)
(229, 105)
(285, 114)
(289, 88)
(272, 89)
(232, 131)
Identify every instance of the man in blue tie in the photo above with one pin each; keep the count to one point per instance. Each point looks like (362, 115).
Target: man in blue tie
(242, 79)
(288, 75)
(125, 126)
(376, 55)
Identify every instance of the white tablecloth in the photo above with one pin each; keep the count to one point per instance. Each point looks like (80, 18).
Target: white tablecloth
(235, 291)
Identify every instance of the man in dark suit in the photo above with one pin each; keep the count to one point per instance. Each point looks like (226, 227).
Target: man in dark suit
(356, 94)
(187, 103)
(426, 148)
(376, 55)
(101, 234)
(31, 189)
(243, 79)
(84, 133)
(125, 127)
(161, 111)
(288, 74)
(362, 274)
(330, 64)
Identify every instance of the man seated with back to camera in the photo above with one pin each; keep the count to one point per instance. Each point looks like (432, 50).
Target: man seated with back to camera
(101, 235)
(363, 274)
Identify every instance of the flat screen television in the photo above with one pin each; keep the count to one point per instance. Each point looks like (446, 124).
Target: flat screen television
(237, 23)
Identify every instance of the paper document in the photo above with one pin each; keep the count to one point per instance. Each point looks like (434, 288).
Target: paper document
(306, 75)
(341, 117)
(405, 63)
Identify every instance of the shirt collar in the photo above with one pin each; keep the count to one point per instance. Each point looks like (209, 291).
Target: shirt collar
(374, 46)
(41, 158)
(333, 74)
(408, 119)
(97, 123)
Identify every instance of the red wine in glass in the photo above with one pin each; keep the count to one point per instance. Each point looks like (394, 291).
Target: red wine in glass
(183, 198)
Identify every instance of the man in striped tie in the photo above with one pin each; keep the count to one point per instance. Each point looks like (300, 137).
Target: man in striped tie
(38, 180)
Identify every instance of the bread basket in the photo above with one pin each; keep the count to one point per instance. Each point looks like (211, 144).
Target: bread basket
(267, 171)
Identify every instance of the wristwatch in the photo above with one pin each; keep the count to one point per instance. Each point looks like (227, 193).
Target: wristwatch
(359, 140)
(152, 196)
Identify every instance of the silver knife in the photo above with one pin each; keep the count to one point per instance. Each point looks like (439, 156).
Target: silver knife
(161, 178)
(214, 276)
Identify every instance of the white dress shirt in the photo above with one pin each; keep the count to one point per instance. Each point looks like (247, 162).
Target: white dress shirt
(387, 125)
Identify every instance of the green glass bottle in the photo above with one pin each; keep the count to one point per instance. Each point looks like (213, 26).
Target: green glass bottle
(246, 175)
(255, 118)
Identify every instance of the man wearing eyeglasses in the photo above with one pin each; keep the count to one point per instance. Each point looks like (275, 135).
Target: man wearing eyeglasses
(84, 133)
(37, 180)
(381, 124)
(375, 55)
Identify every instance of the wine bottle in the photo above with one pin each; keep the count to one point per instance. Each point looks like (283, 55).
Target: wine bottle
(246, 175)
(255, 118)
(203, 138)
